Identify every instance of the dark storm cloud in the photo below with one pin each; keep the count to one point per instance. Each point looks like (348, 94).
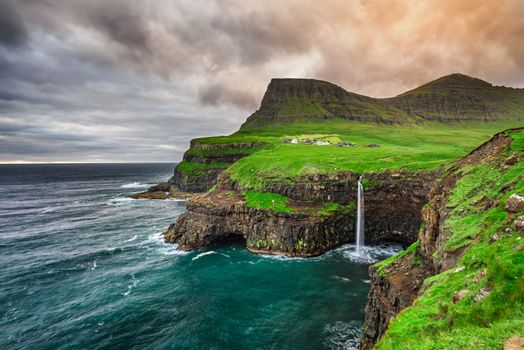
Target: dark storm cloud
(132, 80)
(12, 29)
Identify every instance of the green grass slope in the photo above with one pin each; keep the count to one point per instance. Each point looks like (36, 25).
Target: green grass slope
(434, 321)
(412, 147)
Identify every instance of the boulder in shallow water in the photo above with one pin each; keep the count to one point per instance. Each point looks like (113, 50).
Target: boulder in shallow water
(150, 195)
(163, 186)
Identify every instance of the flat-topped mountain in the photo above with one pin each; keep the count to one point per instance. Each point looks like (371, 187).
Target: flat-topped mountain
(455, 97)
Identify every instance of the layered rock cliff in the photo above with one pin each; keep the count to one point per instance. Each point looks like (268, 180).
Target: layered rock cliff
(393, 205)
(221, 215)
(199, 169)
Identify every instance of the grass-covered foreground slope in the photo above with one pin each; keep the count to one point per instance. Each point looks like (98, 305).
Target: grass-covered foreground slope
(479, 303)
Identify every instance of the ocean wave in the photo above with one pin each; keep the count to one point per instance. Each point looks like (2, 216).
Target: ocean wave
(134, 185)
(163, 247)
(132, 285)
(118, 200)
(342, 335)
(203, 254)
(134, 238)
(340, 278)
(286, 257)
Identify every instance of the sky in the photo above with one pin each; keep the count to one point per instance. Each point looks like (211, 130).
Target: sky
(135, 80)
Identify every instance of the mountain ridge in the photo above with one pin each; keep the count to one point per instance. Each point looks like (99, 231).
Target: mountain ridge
(454, 97)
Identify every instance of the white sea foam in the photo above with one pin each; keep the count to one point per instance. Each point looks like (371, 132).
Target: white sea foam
(369, 254)
(120, 200)
(284, 257)
(132, 285)
(203, 254)
(340, 278)
(172, 249)
(134, 238)
(163, 247)
(134, 185)
(157, 237)
(342, 335)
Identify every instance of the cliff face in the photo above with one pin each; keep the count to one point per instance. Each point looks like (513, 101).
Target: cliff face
(393, 204)
(202, 163)
(395, 284)
(221, 215)
(393, 288)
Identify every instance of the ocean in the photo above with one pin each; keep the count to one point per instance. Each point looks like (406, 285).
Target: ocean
(82, 266)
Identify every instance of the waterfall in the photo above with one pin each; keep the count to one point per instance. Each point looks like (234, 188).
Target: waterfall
(360, 216)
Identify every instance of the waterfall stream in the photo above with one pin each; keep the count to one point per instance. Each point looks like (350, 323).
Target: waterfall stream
(359, 231)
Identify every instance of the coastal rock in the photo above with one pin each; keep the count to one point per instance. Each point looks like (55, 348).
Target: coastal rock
(394, 288)
(483, 292)
(393, 200)
(514, 204)
(150, 195)
(519, 224)
(163, 186)
(221, 215)
(511, 160)
(459, 295)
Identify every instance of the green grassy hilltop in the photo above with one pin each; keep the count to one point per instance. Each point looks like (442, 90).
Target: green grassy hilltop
(417, 131)
(412, 146)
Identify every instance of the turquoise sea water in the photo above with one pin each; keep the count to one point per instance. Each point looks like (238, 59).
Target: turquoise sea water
(84, 267)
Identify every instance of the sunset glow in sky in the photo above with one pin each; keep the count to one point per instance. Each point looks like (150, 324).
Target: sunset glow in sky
(135, 80)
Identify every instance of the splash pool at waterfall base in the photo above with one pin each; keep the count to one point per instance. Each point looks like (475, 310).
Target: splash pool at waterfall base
(82, 266)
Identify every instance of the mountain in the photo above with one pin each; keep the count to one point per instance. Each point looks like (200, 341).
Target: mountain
(455, 97)
(291, 100)
(461, 97)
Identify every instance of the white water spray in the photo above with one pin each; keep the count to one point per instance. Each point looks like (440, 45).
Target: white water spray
(360, 216)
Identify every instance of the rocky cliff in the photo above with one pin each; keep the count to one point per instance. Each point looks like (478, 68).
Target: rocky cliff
(393, 205)
(221, 215)
(399, 281)
(199, 169)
